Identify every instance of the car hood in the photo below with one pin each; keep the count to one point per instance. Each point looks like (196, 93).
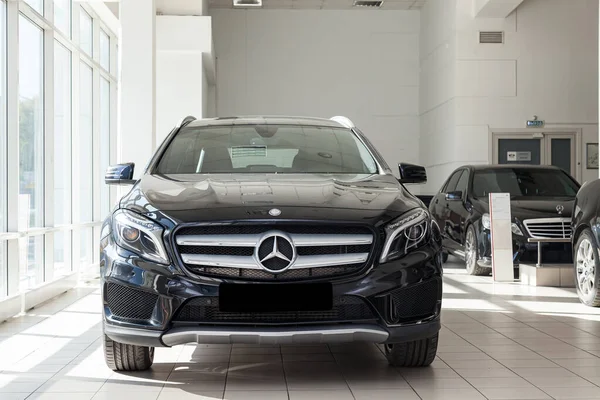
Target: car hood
(526, 208)
(192, 198)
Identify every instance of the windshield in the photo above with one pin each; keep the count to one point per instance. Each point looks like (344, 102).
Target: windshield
(523, 182)
(266, 149)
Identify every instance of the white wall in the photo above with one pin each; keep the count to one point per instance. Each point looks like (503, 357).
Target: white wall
(548, 66)
(181, 81)
(362, 64)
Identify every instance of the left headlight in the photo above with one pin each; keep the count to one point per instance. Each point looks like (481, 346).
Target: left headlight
(140, 235)
(407, 232)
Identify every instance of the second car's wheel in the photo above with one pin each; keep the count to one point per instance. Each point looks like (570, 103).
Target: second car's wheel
(418, 353)
(127, 357)
(471, 254)
(586, 267)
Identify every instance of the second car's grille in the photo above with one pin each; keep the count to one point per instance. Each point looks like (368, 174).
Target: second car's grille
(128, 303)
(206, 310)
(553, 228)
(273, 252)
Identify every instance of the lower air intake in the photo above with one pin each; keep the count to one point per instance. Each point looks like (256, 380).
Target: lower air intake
(128, 303)
(413, 303)
(206, 310)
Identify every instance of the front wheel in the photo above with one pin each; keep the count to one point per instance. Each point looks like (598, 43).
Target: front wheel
(127, 357)
(418, 353)
(586, 265)
(472, 255)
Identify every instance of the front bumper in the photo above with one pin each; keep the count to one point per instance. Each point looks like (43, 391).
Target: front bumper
(523, 251)
(143, 303)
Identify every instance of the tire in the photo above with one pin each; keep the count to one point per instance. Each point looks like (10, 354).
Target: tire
(444, 257)
(127, 357)
(586, 261)
(472, 254)
(418, 353)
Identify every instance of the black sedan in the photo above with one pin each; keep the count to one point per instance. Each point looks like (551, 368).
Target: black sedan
(586, 225)
(541, 205)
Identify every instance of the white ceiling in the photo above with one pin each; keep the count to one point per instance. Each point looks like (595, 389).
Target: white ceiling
(325, 4)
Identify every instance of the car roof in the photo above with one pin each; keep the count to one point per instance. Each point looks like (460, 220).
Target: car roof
(484, 167)
(266, 120)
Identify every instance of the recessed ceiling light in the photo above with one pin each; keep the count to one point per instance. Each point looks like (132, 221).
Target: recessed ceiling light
(247, 3)
(368, 3)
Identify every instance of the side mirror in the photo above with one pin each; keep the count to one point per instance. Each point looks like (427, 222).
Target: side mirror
(120, 174)
(410, 173)
(454, 196)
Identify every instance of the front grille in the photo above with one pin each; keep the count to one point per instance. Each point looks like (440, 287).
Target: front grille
(128, 303)
(549, 228)
(230, 251)
(206, 310)
(412, 303)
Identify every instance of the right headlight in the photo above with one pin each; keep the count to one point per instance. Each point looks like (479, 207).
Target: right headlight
(485, 221)
(140, 235)
(407, 232)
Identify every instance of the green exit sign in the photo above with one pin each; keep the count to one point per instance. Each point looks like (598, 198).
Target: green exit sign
(535, 123)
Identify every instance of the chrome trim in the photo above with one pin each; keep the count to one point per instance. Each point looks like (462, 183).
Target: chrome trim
(329, 260)
(249, 262)
(213, 260)
(208, 335)
(299, 240)
(555, 227)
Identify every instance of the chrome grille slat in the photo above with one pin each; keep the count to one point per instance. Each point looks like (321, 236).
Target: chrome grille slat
(300, 240)
(231, 250)
(549, 227)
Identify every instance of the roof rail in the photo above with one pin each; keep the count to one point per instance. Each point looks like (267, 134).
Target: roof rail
(344, 121)
(185, 121)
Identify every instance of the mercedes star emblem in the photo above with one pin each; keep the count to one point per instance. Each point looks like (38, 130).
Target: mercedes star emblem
(275, 252)
(274, 212)
(560, 208)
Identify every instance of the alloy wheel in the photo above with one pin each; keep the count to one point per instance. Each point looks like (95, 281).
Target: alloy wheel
(586, 268)
(470, 249)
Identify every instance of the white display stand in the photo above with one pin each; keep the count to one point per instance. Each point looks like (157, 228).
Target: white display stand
(502, 249)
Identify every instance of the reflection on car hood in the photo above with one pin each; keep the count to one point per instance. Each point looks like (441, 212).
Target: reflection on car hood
(526, 208)
(187, 198)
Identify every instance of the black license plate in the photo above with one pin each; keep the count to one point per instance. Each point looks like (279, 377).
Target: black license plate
(275, 297)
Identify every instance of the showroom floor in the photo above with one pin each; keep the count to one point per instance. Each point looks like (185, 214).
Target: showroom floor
(499, 341)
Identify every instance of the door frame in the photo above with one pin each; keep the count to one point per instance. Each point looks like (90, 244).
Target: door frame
(529, 133)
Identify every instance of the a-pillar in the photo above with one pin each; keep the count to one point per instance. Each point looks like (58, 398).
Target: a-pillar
(137, 101)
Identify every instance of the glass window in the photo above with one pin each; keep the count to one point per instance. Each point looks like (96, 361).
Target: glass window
(37, 5)
(62, 16)
(266, 149)
(85, 247)
(85, 31)
(62, 134)
(104, 50)
(62, 254)
(84, 152)
(104, 144)
(3, 271)
(462, 182)
(31, 261)
(3, 111)
(524, 182)
(31, 125)
(452, 182)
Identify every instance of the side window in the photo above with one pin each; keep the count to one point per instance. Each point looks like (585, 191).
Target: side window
(462, 182)
(451, 187)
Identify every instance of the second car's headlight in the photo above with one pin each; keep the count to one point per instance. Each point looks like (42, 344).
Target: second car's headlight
(408, 231)
(140, 235)
(485, 221)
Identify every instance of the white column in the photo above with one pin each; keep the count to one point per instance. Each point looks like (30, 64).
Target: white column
(137, 120)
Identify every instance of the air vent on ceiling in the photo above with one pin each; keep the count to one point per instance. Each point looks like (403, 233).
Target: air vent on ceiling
(496, 37)
(247, 3)
(368, 3)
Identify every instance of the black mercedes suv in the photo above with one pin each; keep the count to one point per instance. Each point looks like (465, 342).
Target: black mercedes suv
(269, 230)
